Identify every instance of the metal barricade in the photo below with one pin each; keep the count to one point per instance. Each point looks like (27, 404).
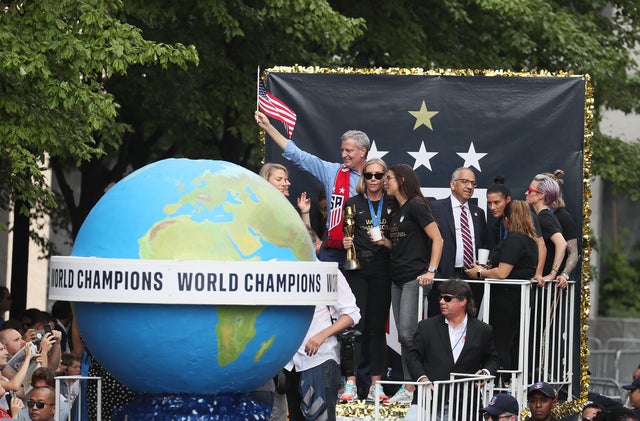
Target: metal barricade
(552, 332)
(547, 335)
(616, 361)
(607, 387)
(459, 398)
(75, 402)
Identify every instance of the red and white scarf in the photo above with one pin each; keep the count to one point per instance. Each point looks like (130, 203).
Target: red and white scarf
(339, 195)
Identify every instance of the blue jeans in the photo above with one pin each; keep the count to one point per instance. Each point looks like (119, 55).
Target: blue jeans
(404, 301)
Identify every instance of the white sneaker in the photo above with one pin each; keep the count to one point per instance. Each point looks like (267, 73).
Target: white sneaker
(372, 393)
(402, 396)
(350, 392)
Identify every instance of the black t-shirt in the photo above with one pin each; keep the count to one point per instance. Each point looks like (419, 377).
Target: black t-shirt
(411, 247)
(569, 230)
(549, 225)
(517, 250)
(363, 221)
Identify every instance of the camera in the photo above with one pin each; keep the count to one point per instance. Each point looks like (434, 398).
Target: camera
(38, 338)
(40, 334)
(349, 339)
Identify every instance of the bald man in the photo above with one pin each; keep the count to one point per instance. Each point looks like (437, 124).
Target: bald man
(42, 404)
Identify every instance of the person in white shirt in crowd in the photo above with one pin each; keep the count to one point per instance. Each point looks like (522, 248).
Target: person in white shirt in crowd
(315, 366)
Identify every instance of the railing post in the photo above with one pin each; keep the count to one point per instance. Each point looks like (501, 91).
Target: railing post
(77, 398)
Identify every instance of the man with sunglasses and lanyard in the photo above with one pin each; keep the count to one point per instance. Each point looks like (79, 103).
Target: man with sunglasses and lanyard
(453, 342)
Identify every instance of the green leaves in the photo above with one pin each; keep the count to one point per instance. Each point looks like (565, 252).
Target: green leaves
(619, 294)
(54, 59)
(618, 162)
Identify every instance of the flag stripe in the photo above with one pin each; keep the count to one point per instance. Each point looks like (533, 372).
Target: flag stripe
(275, 108)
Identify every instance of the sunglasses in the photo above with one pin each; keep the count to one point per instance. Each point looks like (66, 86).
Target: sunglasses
(532, 190)
(38, 405)
(447, 298)
(377, 175)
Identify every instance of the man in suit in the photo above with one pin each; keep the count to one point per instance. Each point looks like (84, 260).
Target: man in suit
(453, 342)
(448, 213)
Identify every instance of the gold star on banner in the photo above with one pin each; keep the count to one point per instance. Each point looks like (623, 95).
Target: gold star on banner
(423, 116)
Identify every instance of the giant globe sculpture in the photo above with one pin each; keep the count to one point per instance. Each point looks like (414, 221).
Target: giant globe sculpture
(185, 210)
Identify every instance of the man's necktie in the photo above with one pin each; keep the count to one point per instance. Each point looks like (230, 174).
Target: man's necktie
(467, 241)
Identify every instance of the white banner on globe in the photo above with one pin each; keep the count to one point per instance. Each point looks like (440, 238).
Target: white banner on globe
(92, 279)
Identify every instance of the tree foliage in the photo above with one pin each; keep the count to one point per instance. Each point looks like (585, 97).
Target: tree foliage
(55, 57)
(619, 294)
(206, 111)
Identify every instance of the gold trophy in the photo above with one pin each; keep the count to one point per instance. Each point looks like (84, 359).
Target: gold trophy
(351, 262)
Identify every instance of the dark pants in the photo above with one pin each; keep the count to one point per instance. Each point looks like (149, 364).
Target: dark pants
(371, 286)
(504, 317)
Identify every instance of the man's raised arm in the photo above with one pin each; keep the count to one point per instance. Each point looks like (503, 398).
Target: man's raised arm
(265, 124)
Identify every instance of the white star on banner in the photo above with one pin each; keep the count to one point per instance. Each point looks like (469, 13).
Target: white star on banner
(374, 152)
(422, 157)
(472, 158)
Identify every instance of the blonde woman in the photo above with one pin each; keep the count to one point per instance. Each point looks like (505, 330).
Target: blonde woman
(278, 176)
(371, 284)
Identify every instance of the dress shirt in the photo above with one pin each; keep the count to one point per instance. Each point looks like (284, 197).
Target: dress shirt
(457, 211)
(322, 319)
(457, 337)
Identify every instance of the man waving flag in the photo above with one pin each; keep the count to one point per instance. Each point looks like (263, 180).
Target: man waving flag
(274, 108)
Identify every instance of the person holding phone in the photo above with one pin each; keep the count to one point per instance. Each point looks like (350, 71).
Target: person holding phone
(48, 341)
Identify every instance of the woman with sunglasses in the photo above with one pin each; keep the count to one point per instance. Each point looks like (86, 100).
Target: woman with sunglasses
(516, 257)
(370, 283)
(541, 194)
(569, 230)
(416, 247)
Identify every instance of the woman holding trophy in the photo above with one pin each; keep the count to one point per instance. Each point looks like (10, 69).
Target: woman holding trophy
(416, 247)
(366, 217)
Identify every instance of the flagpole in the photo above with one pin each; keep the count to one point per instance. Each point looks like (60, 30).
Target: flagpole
(258, 90)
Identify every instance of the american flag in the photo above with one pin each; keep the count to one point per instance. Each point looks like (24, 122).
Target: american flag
(275, 108)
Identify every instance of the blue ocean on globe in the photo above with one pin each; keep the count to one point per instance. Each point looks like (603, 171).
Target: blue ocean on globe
(193, 210)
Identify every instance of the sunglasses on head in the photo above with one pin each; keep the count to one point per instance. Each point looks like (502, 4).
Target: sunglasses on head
(377, 175)
(38, 405)
(447, 298)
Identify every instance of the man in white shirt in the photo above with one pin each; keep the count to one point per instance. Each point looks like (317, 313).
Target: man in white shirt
(315, 365)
